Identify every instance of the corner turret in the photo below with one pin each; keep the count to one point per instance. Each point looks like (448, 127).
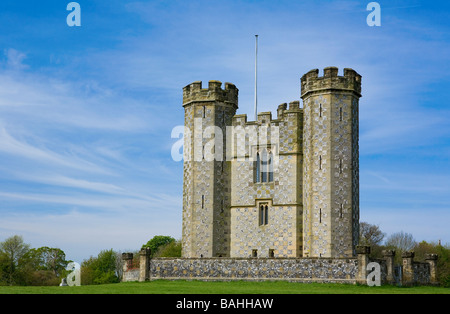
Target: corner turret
(311, 82)
(214, 92)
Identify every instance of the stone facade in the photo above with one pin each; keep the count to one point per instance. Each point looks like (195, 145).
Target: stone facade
(284, 187)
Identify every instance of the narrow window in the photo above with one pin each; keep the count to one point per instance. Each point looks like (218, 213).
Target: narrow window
(261, 215)
(320, 215)
(221, 209)
(270, 167)
(340, 114)
(254, 253)
(341, 209)
(340, 165)
(258, 168)
(264, 166)
(271, 253)
(203, 201)
(320, 110)
(204, 111)
(266, 215)
(320, 162)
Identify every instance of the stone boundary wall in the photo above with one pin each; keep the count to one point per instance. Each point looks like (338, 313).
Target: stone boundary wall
(256, 269)
(313, 269)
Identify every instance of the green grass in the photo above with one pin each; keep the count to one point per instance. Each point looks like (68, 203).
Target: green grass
(234, 287)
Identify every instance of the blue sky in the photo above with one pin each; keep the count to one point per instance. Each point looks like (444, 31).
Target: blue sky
(86, 113)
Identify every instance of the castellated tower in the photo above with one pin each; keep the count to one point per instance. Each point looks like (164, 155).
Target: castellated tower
(207, 173)
(330, 165)
(283, 187)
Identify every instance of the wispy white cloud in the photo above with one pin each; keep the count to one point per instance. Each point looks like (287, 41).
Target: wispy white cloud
(14, 59)
(10, 145)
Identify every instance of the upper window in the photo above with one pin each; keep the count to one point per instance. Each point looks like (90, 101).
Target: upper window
(264, 166)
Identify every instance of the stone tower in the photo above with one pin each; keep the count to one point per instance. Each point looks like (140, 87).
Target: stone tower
(207, 173)
(330, 163)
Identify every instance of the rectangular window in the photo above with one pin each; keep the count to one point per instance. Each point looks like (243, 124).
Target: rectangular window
(271, 253)
(258, 168)
(254, 253)
(263, 167)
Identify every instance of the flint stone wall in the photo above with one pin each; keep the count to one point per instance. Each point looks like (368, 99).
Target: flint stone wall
(288, 269)
(421, 273)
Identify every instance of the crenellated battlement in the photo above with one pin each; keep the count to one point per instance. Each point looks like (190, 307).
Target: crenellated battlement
(311, 82)
(214, 92)
(266, 117)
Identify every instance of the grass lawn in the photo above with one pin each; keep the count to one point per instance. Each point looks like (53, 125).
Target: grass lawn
(233, 287)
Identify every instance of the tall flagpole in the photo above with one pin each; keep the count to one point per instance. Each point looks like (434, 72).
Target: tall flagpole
(256, 78)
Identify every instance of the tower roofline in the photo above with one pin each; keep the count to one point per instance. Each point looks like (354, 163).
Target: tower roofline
(311, 82)
(195, 93)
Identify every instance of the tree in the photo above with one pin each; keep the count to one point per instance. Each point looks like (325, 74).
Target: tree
(171, 249)
(100, 269)
(51, 259)
(370, 234)
(157, 241)
(401, 241)
(12, 251)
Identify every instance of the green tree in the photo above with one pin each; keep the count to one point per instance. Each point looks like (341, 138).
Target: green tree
(12, 250)
(100, 269)
(49, 259)
(156, 242)
(171, 249)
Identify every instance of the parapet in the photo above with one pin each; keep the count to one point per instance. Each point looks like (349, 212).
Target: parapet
(195, 93)
(312, 82)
